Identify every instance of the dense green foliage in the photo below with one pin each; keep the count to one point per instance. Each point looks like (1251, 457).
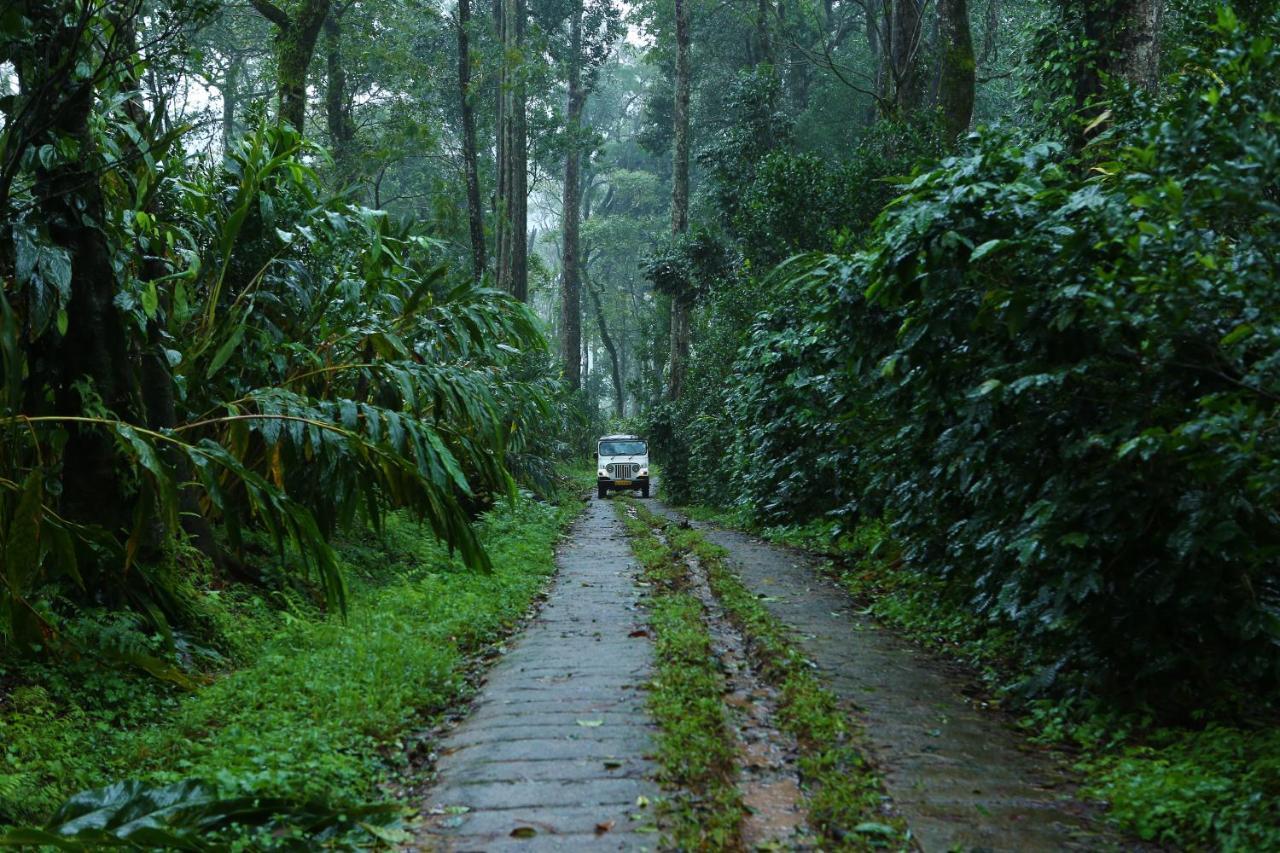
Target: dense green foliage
(196, 350)
(1055, 375)
(301, 705)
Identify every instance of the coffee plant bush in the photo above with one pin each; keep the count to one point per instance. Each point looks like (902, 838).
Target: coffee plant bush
(1057, 375)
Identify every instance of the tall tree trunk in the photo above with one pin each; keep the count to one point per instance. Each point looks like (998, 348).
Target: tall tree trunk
(520, 174)
(94, 352)
(615, 362)
(512, 200)
(762, 49)
(1140, 49)
(571, 287)
(1127, 35)
(295, 45)
(906, 34)
(230, 100)
(680, 301)
(342, 130)
(956, 77)
(475, 218)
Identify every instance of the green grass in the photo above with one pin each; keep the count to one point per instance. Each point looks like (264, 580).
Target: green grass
(320, 706)
(1212, 784)
(695, 747)
(845, 795)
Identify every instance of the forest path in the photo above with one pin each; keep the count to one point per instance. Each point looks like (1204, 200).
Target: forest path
(959, 775)
(553, 756)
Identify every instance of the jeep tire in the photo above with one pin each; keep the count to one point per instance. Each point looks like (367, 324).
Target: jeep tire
(644, 490)
(602, 491)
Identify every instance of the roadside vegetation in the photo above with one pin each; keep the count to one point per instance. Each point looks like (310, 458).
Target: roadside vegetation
(289, 702)
(1031, 400)
(1205, 783)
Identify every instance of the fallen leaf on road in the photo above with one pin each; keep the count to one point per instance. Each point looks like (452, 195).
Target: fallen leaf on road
(590, 724)
(612, 764)
(642, 802)
(639, 632)
(871, 828)
(602, 828)
(524, 832)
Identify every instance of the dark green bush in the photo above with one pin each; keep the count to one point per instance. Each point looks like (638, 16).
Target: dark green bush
(1059, 377)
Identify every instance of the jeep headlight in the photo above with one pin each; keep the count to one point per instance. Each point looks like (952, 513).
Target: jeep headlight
(644, 472)
(602, 473)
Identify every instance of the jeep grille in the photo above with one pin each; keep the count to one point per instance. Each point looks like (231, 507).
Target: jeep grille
(623, 470)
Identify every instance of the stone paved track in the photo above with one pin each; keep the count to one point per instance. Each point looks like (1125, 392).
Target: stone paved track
(962, 779)
(556, 749)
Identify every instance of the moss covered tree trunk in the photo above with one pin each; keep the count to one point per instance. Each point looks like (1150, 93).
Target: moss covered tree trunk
(956, 72)
(342, 129)
(296, 38)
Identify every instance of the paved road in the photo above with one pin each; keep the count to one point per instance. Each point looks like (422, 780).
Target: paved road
(959, 775)
(554, 755)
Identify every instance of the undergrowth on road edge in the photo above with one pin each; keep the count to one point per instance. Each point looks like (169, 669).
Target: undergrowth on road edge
(846, 799)
(1211, 784)
(319, 707)
(695, 747)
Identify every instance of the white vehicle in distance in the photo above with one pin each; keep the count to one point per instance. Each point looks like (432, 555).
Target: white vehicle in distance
(622, 464)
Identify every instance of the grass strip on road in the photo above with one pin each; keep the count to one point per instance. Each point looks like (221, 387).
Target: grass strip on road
(695, 748)
(846, 797)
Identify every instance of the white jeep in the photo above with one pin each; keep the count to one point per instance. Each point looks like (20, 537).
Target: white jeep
(622, 464)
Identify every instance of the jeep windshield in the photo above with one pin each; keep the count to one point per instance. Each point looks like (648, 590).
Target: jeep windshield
(622, 448)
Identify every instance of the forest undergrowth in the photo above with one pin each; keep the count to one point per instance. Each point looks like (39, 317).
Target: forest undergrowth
(289, 702)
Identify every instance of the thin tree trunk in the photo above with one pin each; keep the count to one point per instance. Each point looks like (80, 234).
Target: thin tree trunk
(512, 199)
(571, 288)
(501, 213)
(680, 302)
(956, 77)
(475, 218)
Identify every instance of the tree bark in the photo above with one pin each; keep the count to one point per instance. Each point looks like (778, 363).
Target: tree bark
(295, 45)
(906, 33)
(1140, 50)
(1127, 35)
(681, 301)
(342, 129)
(571, 287)
(94, 352)
(475, 217)
(512, 199)
(615, 363)
(230, 100)
(956, 77)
